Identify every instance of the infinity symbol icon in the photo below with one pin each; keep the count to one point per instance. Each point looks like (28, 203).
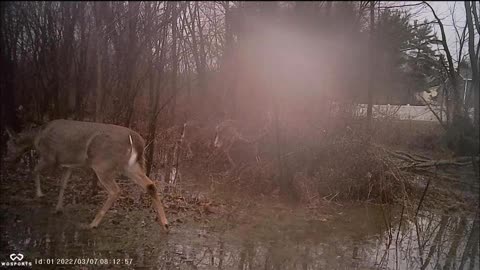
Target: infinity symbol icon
(16, 257)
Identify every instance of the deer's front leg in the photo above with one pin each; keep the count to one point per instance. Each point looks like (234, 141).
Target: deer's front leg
(190, 152)
(66, 176)
(230, 159)
(93, 185)
(41, 166)
(106, 179)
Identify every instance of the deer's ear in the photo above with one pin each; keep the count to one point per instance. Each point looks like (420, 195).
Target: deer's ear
(11, 133)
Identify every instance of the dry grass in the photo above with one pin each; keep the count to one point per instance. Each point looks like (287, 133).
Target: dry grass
(346, 169)
(418, 136)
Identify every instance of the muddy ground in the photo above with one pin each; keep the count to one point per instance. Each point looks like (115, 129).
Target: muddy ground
(223, 231)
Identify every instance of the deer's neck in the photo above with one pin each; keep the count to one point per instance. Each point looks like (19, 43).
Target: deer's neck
(27, 140)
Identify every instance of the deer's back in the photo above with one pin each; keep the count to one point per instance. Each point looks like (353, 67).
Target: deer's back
(71, 142)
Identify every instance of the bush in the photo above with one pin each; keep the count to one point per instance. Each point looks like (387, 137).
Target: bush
(349, 169)
(461, 137)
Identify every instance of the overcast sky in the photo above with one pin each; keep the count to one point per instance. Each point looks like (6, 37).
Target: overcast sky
(444, 10)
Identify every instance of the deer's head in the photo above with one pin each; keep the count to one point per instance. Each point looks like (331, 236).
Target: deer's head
(18, 144)
(221, 133)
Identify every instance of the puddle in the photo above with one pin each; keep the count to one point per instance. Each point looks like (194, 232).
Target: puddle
(360, 237)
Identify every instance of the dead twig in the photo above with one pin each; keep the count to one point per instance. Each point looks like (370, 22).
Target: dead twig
(455, 162)
(423, 195)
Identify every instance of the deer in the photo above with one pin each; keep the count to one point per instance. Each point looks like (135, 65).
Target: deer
(106, 148)
(227, 134)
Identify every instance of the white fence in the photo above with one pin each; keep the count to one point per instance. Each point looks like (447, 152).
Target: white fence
(400, 112)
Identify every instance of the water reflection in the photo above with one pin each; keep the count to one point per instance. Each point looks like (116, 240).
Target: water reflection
(360, 238)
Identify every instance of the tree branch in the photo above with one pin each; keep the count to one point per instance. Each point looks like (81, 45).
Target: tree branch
(434, 113)
(402, 6)
(451, 68)
(475, 16)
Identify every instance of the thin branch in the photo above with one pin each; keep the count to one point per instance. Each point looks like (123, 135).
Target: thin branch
(434, 113)
(475, 16)
(402, 6)
(461, 41)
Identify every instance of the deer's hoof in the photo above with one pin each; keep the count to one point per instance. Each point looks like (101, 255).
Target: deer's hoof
(40, 195)
(58, 211)
(85, 226)
(166, 228)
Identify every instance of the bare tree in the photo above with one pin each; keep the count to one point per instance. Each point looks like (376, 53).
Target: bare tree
(474, 62)
(98, 64)
(450, 67)
(157, 66)
(371, 79)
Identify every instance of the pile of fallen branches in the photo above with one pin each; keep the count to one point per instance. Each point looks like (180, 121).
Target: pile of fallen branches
(348, 169)
(462, 170)
(420, 163)
(454, 179)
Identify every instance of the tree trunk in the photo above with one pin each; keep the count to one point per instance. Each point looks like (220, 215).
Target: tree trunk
(472, 243)
(157, 65)
(450, 69)
(8, 116)
(371, 79)
(284, 177)
(152, 127)
(174, 61)
(436, 241)
(98, 64)
(473, 63)
(452, 252)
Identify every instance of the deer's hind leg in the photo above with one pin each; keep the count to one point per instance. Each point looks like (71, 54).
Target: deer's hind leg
(135, 173)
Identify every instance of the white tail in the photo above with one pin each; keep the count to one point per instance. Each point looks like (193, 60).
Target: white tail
(133, 155)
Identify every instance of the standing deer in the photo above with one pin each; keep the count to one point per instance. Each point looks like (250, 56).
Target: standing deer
(107, 149)
(227, 134)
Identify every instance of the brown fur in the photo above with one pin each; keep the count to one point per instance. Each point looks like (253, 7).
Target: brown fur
(105, 148)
